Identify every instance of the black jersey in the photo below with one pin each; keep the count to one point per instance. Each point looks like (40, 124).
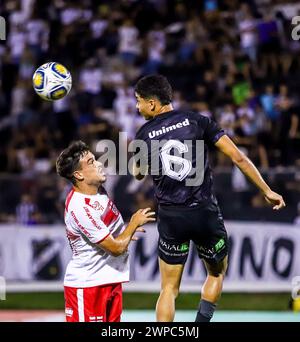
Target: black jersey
(173, 156)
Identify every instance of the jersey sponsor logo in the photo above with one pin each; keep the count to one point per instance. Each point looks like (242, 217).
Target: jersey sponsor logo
(164, 129)
(96, 205)
(111, 214)
(89, 215)
(79, 225)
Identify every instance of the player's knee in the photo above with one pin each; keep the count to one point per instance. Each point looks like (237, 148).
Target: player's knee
(216, 274)
(171, 289)
(217, 270)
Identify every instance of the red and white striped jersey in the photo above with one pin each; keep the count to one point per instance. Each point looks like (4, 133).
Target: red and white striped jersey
(89, 220)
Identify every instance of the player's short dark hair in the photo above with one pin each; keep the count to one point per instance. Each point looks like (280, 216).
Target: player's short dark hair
(68, 160)
(155, 86)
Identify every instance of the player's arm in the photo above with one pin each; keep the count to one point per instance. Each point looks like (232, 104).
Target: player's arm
(117, 246)
(227, 146)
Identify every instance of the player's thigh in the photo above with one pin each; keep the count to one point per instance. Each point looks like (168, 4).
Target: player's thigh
(71, 304)
(115, 304)
(170, 275)
(86, 304)
(95, 301)
(173, 242)
(173, 223)
(212, 241)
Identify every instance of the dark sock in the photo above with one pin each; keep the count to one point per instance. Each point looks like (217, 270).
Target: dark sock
(205, 311)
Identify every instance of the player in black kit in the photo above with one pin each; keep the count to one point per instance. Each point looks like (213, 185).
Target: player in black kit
(188, 209)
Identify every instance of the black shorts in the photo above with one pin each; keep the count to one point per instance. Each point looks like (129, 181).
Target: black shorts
(177, 226)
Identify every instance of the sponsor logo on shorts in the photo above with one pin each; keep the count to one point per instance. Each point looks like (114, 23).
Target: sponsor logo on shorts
(213, 251)
(69, 312)
(184, 247)
(170, 247)
(219, 245)
(206, 252)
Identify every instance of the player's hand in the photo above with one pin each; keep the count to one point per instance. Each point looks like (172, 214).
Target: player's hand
(275, 199)
(142, 216)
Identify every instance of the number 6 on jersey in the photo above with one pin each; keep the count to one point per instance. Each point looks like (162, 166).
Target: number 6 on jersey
(167, 159)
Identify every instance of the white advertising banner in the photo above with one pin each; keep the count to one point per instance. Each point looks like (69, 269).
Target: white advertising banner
(39, 253)
(262, 256)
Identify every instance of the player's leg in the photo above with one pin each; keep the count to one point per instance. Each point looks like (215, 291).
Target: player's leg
(212, 246)
(170, 283)
(212, 287)
(211, 290)
(173, 250)
(115, 304)
(93, 303)
(86, 304)
(71, 304)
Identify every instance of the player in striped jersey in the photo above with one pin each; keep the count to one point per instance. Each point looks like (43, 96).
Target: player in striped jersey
(98, 239)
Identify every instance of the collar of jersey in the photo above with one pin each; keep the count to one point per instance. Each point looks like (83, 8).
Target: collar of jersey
(162, 115)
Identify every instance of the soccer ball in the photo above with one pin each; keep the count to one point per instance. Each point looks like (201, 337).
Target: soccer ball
(52, 81)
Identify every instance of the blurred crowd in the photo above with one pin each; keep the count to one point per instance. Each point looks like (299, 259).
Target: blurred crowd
(232, 60)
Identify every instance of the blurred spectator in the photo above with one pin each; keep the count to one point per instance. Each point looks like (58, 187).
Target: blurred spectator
(90, 77)
(99, 23)
(269, 40)
(129, 45)
(289, 121)
(156, 45)
(240, 90)
(248, 35)
(232, 61)
(268, 101)
(246, 124)
(227, 120)
(27, 211)
(37, 35)
(17, 43)
(127, 119)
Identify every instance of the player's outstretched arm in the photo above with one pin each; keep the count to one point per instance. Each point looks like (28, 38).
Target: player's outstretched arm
(117, 246)
(228, 147)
